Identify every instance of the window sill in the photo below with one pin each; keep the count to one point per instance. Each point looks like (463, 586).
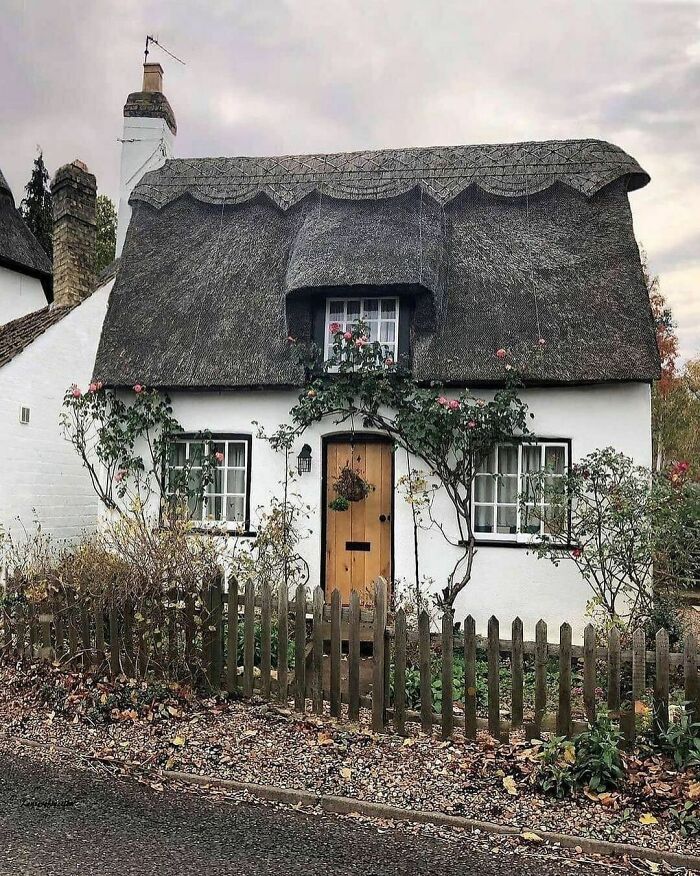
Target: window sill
(508, 543)
(220, 532)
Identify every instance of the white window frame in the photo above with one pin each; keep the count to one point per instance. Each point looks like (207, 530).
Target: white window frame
(516, 537)
(391, 349)
(209, 522)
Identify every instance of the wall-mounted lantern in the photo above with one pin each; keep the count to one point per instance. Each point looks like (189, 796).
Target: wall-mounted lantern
(304, 459)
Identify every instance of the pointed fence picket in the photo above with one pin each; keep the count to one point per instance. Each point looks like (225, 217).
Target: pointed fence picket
(360, 655)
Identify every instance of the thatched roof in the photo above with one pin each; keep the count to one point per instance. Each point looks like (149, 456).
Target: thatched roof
(17, 335)
(496, 245)
(19, 249)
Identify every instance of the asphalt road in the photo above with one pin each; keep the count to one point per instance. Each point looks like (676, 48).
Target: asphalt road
(59, 821)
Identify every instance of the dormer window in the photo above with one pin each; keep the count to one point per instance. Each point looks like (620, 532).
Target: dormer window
(381, 315)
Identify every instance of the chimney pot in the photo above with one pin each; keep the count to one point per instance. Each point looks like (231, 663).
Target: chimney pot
(74, 196)
(152, 78)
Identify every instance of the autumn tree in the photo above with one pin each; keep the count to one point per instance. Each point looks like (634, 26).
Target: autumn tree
(36, 205)
(106, 233)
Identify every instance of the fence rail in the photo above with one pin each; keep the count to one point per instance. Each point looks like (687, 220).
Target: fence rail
(228, 639)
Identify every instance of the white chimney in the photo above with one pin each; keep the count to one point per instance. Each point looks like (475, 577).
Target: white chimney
(148, 140)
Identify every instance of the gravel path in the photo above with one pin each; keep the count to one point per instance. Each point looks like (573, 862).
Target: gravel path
(60, 820)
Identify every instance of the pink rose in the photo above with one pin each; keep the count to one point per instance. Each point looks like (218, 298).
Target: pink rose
(576, 553)
(441, 400)
(480, 402)
(138, 388)
(453, 405)
(388, 361)
(219, 457)
(348, 336)
(75, 391)
(501, 354)
(361, 342)
(99, 385)
(120, 475)
(471, 424)
(92, 387)
(334, 328)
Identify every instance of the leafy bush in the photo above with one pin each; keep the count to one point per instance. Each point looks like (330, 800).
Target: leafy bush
(686, 818)
(593, 759)
(681, 740)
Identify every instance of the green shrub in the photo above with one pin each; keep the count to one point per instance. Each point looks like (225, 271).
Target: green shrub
(593, 759)
(681, 740)
(686, 818)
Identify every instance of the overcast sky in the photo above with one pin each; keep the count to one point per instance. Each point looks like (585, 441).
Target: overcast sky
(279, 76)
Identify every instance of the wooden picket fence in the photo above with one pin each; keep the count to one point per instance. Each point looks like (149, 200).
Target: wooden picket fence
(115, 638)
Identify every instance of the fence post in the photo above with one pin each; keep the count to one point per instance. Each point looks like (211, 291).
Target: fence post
(217, 633)
(231, 635)
(300, 649)
(114, 666)
(589, 673)
(317, 657)
(128, 632)
(20, 646)
(494, 697)
(661, 683)
(639, 673)
(447, 673)
(426, 694)
(400, 672)
(690, 675)
(85, 634)
(99, 631)
(564, 711)
(282, 642)
(516, 671)
(266, 641)
(614, 670)
(336, 651)
(378, 655)
(248, 638)
(189, 632)
(45, 618)
(58, 625)
(541, 658)
(354, 658)
(470, 677)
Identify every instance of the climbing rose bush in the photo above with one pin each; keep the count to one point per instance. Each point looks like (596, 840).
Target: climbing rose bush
(450, 432)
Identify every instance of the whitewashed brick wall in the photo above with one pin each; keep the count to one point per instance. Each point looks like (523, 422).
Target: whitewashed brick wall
(41, 476)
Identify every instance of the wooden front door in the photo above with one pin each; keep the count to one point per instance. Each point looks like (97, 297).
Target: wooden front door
(358, 541)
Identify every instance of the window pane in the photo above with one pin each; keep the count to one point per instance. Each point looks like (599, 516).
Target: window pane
(217, 483)
(508, 490)
(234, 509)
(214, 506)
(236, 455)
(336, 311)
(483, 488)
(507, 459)
(386, 332)
(487, 463)
(236, 481)
(196, 454)
(532, 457)
(554, 459)
(177, 453)
(194, 484)
(194, 504)
(506, 521)
(353, 311)
(483, 518)
(371, 308)
(530, 520)
(555, 521)
(372, 330)
(389, 308)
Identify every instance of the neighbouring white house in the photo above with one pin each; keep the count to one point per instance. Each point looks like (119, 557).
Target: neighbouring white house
(44, 349)
(448, 254)
(25, 269)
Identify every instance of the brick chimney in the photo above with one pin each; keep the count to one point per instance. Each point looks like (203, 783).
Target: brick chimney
(147, 141)
(74, 195)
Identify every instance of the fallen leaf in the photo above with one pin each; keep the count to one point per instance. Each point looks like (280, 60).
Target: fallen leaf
(346, 773)
(408, 741)
(510, 786)
(531, 837)
(694, 790)
(647, 818)
(178, 740)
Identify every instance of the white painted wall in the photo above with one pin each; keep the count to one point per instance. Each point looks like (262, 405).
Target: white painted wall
(507, 581)
(146, 145)
(41, 477)
(19, 294)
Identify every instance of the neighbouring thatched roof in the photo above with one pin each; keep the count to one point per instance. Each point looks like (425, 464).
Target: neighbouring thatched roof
(497, 246)
(18, 334)
(19, 249)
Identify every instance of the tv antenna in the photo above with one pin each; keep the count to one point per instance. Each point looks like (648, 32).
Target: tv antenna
(151, 39)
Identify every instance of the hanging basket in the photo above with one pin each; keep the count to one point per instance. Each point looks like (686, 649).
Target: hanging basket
(350, 486)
